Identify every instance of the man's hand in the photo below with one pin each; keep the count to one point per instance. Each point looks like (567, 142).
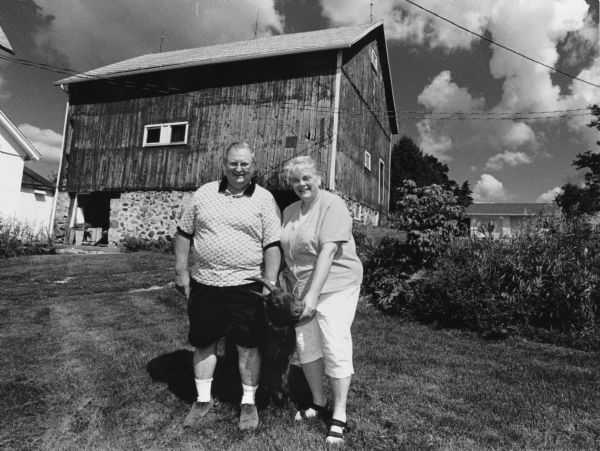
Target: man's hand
(182, 282)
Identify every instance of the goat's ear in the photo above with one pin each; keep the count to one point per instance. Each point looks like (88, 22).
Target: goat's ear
(264, 282)
(262, 295)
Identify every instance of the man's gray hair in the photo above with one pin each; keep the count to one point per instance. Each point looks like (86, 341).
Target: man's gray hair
(239, 145)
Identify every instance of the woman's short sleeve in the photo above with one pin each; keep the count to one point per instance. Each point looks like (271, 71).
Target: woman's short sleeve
(336, 223)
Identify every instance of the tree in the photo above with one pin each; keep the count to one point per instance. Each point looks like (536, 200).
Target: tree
(463, 193)
(575, 200)
(410, 163)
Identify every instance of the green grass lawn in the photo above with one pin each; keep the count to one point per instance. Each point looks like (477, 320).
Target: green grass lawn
(94, 356)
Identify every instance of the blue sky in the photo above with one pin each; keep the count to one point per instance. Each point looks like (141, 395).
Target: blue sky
(437, 68)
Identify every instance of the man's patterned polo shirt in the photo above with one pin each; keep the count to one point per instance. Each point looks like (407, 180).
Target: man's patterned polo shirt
(229, 232)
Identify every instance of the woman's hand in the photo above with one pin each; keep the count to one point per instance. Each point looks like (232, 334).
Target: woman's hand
(310, 308)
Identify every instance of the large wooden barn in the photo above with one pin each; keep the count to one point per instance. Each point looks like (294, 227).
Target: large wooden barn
(142, 134)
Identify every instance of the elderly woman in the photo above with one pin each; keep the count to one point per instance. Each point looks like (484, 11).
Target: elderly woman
(321, 261)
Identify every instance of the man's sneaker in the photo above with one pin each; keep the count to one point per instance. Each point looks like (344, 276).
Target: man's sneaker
(248, 417)
(197, 412)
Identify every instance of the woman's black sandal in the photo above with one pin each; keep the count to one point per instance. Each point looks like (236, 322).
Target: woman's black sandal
(335, 437)
(322, 412)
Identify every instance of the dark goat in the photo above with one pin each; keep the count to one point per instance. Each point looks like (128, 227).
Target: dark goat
(282, 312)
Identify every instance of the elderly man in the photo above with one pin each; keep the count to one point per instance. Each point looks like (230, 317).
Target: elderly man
(234, 226)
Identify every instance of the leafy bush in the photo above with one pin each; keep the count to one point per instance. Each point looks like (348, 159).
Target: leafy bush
(544, 282)
(431, 217)
(137, 244)
(20, 238)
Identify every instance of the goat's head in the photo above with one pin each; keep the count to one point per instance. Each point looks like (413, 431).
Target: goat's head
(282, 308)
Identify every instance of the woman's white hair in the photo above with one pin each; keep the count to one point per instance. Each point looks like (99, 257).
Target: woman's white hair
(301, 165)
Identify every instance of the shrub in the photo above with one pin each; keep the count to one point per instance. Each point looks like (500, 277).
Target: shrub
(137, 244)
(21, 238)
(432, 217)
(544, 283)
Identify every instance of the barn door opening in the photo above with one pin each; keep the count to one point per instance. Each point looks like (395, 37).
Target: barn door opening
(93, 217)
(284, 197)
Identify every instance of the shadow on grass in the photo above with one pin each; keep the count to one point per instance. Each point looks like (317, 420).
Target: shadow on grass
(177, 371)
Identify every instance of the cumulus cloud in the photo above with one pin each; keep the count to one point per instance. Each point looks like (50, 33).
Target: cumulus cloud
(92, 33)
(549, 196)
(526, 86)
(408, 23)
(443, 95)
(581, 44)
(517, 133)
(438, 137)
(489, 189)
(4, 93)
(433, 143)
(47, 142)
(512, 159)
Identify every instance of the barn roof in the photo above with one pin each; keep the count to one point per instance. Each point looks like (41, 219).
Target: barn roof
(511, 209)
(25, 145)
(4, 43)
(286, 44)
(32, 179)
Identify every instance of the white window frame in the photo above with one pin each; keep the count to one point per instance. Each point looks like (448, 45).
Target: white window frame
(357, 212)
(380, 181)
(367, 160)
(374, 59)
(165, 134)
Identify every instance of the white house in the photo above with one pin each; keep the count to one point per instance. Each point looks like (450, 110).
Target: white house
(5, 44)
(25, 196)
(502, 219)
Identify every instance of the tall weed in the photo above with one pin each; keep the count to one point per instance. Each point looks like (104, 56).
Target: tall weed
(21, 238)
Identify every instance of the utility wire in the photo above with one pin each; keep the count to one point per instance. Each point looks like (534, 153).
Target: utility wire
(502, 46)
(304, 151)
(266, 102)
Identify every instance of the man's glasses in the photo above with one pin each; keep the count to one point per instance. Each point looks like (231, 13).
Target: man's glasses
(239, 165)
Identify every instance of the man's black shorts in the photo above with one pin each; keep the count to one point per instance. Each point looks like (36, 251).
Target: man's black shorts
(214, 311)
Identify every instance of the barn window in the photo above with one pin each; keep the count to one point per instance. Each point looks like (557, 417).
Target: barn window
(165, 134)
(291, 142)
(373, 57)
(381, 181)
(367, 161)
(357, 212)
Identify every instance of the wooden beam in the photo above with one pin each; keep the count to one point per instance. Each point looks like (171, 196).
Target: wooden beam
(336, 113)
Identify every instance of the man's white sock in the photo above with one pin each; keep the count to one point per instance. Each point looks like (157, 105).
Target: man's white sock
(248, 392)
(203, 387)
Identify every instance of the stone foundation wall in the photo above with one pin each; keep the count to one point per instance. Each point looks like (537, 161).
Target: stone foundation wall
(146, 214)
(154, 214)
(61, 216)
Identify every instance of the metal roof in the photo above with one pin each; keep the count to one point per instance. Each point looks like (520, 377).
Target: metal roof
(4, 43)
(31, 152)
(34, 180)
(286, 44)
(511, 209)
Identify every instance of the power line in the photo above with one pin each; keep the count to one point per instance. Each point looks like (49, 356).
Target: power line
(502, 46)
(305, 151)
(381, 114)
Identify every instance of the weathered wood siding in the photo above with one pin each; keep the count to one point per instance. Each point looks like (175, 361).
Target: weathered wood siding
(262, 101)
(363, 125)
